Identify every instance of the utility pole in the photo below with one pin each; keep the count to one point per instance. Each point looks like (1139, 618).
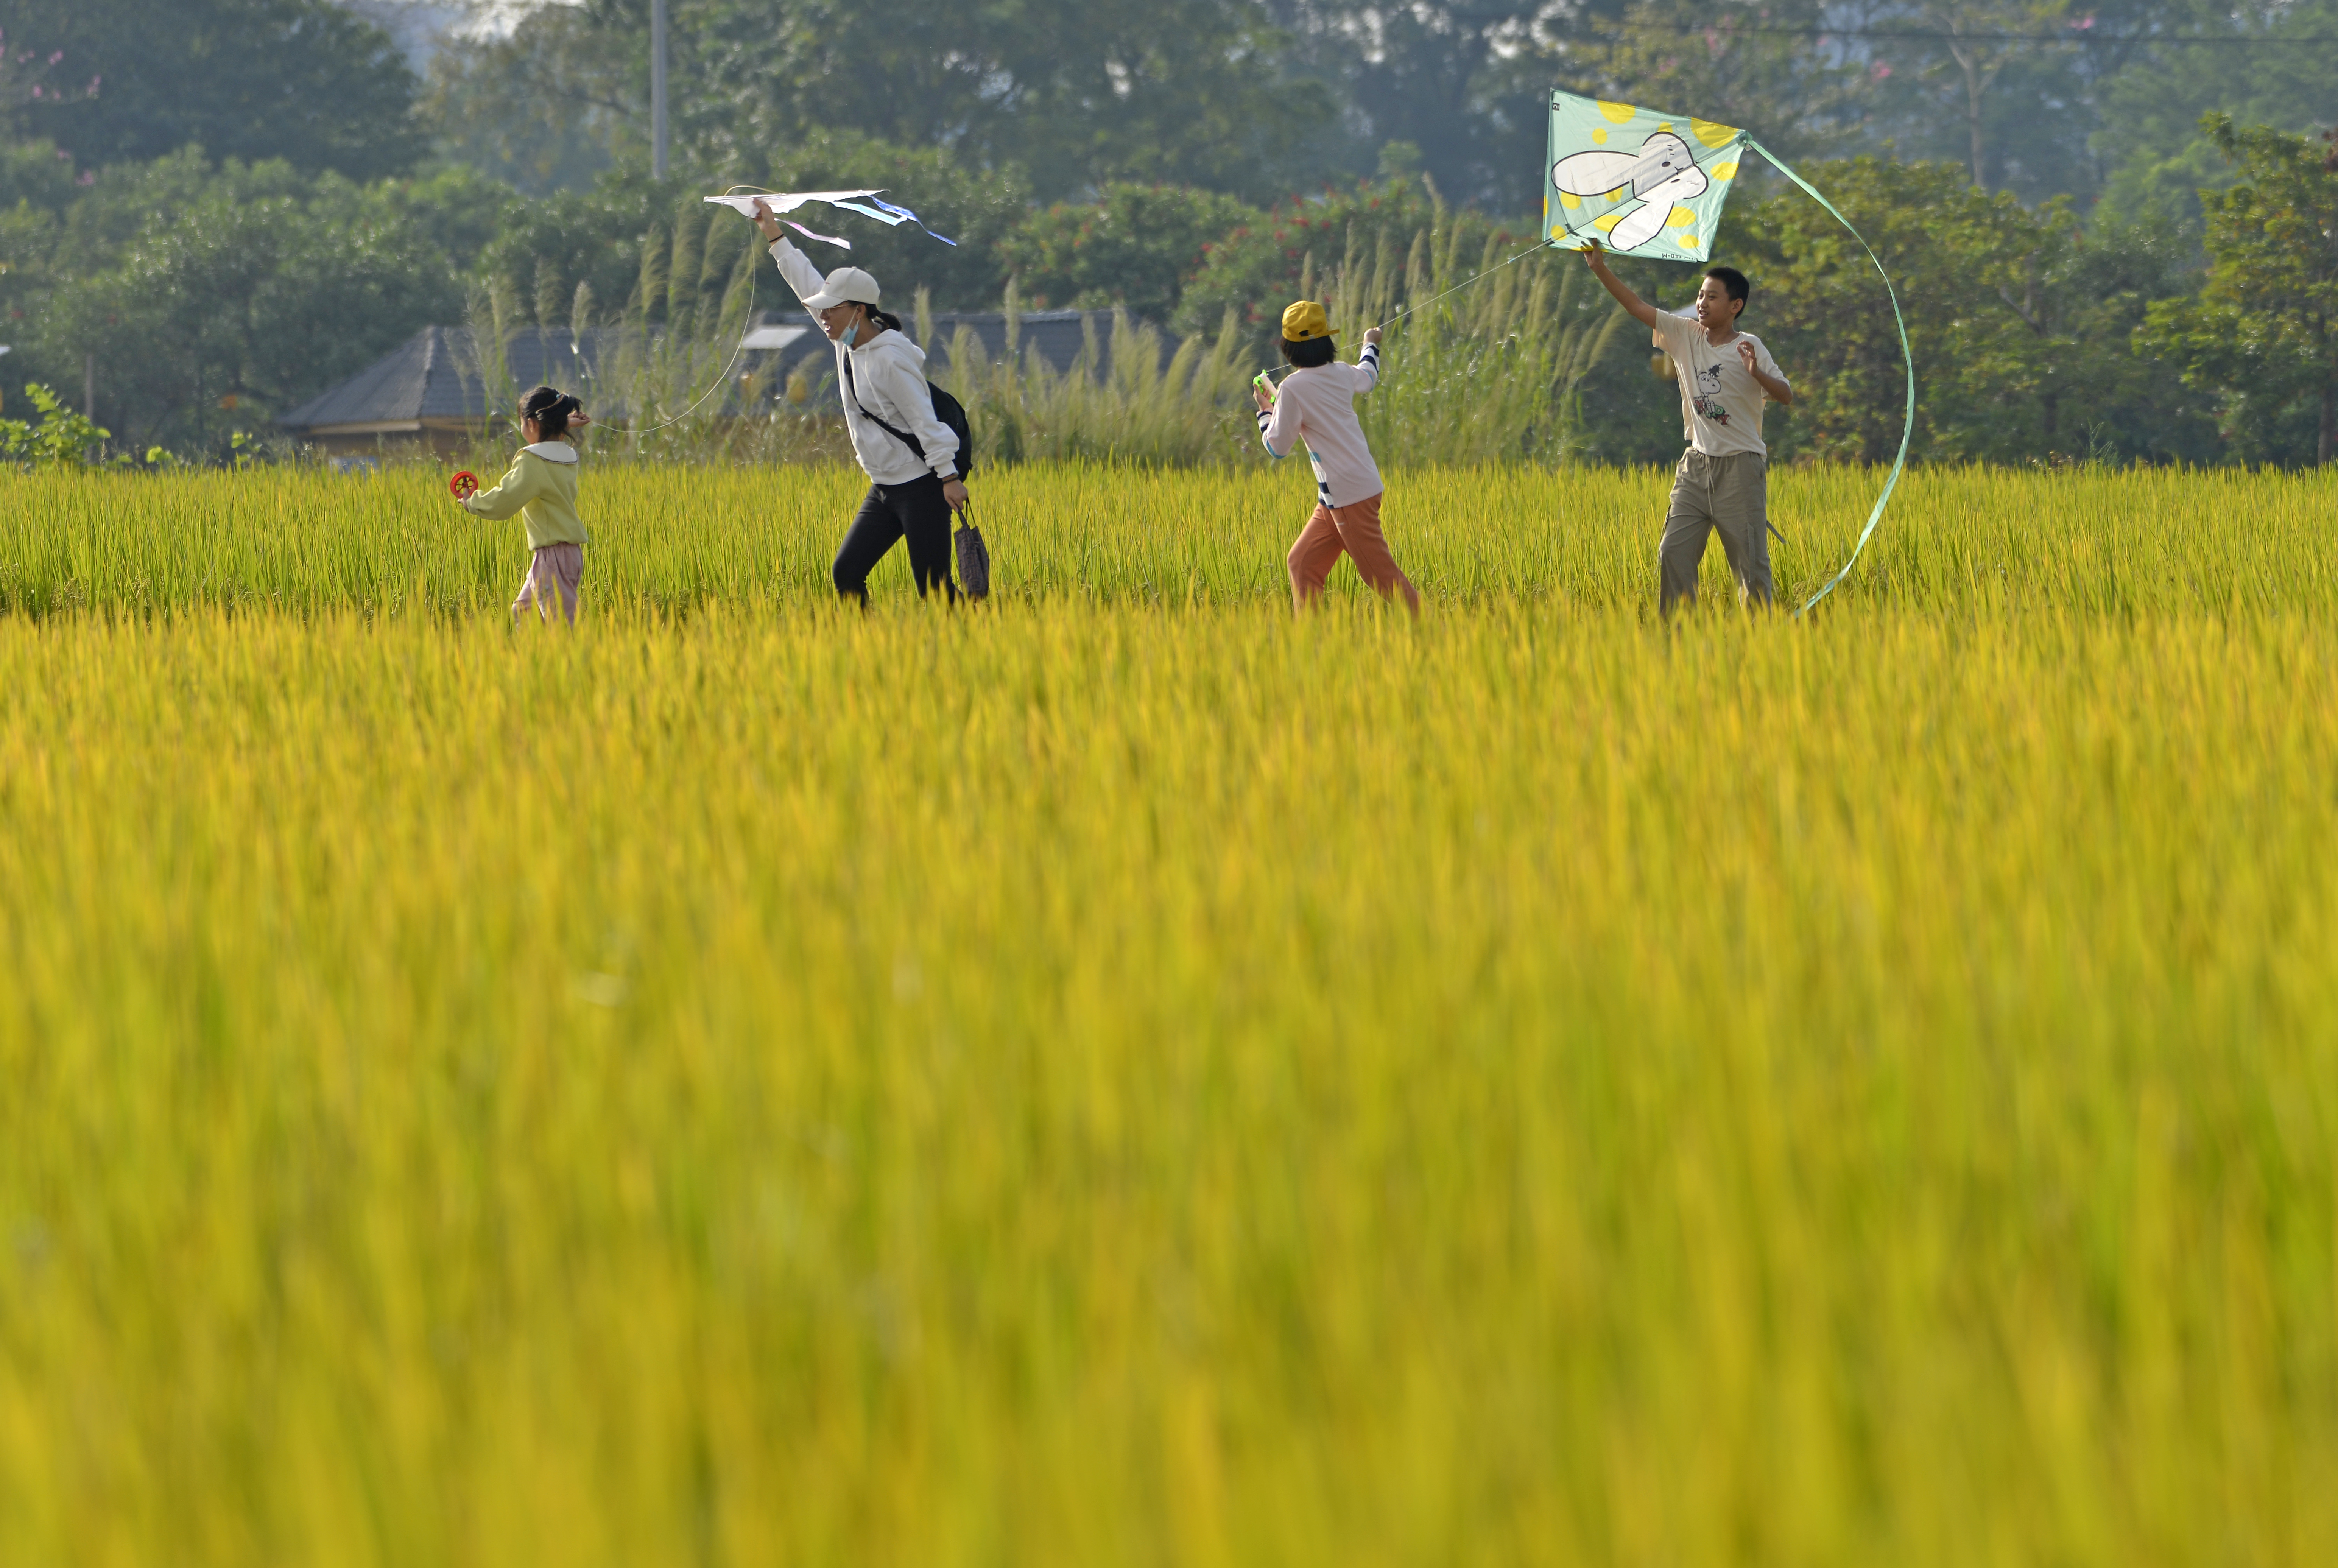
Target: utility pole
(657, 88)
(89, 387)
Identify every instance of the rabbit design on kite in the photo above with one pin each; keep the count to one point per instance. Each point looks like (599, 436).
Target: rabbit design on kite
(1662, 174)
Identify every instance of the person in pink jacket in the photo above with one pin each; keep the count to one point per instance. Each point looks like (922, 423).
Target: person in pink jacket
(1315, 406)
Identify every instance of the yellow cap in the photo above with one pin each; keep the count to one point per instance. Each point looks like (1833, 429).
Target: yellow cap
(1306, 319)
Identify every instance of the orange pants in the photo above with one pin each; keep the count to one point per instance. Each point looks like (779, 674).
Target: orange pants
(1355, 530)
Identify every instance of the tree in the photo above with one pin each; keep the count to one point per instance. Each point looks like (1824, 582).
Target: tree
(1748, 69)
(1465, 82)
(545, 107)
(1073, 92)
(2263, 335)
(1290, 251)
(2280, 70)
(300, 80)
(2018, 319)
(1135, 246)
(234, 293)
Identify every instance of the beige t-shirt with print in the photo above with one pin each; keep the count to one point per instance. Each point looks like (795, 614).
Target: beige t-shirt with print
(1720, 403)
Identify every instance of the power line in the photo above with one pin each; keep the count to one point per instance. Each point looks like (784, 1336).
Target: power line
(2181, 39)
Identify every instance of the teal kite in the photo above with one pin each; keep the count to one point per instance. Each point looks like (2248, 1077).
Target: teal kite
(1639, 181)
(1646, 183)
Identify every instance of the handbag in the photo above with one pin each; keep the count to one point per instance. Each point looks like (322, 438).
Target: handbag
(973, 556)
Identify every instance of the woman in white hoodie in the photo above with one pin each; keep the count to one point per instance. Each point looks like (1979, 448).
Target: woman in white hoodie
(910, 457)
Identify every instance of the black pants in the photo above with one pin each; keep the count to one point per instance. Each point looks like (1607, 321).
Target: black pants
(917, 510)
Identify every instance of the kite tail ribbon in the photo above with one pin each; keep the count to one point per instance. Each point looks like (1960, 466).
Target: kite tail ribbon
(903, 212)
(1908, 428)
(825, 238)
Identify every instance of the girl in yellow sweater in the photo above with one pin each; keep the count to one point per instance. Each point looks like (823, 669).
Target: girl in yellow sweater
(542, 488)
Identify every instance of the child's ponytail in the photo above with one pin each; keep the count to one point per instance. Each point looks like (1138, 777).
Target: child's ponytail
(551, 410)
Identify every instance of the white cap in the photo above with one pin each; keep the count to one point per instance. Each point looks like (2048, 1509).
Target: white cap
(845, 286)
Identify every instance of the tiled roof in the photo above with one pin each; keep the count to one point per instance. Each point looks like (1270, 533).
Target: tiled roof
(437, 375)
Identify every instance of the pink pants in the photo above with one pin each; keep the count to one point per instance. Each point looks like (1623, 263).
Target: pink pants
(556, 570)
(1356, 530)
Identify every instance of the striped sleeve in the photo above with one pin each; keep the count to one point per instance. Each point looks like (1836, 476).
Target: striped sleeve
(1272, 431)
(1370, 365)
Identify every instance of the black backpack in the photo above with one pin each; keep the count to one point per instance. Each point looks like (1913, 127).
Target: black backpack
(946, 408)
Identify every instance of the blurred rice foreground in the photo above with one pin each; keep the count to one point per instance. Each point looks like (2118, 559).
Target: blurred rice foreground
(1127, 1076)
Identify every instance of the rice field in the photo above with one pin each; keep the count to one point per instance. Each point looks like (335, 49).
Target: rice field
(1127, 1076)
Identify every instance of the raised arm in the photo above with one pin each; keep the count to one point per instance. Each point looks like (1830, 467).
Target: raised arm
(794, 265)
(1369, 362)
(1640, 309)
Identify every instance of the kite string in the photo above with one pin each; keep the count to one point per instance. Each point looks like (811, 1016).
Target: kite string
(1488, 272)
(1907, 357)
(723, 379)
(1425, 304)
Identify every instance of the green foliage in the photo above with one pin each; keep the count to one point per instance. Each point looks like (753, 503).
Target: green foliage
(545, 107)
(304, 81)
(38, 174)
(1455, 89)
(975, 203)
(1489, 373)
(651, 254)
(1744, 69)
(229, 294)
(1072, 92)
(2018, 319)
(2263, 334)
(62, 439)
(1261, 264)
(576, 259)
(2157, 156)
(1134, 246)
(1144, 403)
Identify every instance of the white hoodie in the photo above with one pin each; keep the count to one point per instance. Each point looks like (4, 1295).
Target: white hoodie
(888, 381)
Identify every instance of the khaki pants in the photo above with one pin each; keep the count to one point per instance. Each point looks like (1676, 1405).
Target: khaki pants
(556, 571)
(1729, 493)
(1355, 531)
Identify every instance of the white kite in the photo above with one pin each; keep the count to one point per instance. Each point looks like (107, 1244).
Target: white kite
(1662, 174)
(868, 203)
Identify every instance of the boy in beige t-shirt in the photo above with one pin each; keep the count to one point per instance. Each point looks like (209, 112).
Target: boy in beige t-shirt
(1723, 482)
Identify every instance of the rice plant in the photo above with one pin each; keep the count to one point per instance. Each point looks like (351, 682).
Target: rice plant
(1129, 1073)
(677, 539)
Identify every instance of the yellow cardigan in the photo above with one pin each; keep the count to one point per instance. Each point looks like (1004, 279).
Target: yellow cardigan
(542, 488)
